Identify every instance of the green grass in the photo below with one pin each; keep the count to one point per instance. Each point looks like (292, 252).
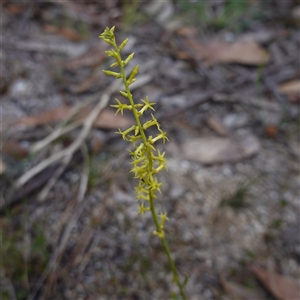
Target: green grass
(130, 14)
(238, 200)
(231, 15)
(18, 267)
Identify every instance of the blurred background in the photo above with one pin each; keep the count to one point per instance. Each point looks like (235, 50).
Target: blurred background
(225, 78)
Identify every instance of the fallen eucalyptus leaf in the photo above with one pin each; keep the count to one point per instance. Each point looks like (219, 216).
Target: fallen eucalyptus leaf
(217, 150)
(283, 288)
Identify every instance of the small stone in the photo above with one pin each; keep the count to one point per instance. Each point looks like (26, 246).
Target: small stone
(227, 171)
(235, 120)
(177, 101)
(187, 236)
(20, 88)
(290, 238)
(207, 294)
(296, 13)
(176, 191)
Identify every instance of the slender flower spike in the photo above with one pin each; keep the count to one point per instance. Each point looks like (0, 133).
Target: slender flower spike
(146, 160)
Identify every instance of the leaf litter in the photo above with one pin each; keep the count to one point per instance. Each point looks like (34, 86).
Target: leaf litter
(219, 238)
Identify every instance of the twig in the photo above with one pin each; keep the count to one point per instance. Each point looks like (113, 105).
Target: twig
(273, 88)
(53, 136)
(87, 125)
(59, 250)
(29, 188)
(84, 181)
(82, 251)
(84, 175)
(66, 48)
(87, 256)
(60, 130)
(44, 193)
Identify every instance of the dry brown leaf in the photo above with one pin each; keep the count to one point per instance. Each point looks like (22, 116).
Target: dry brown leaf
(271, 131)
(2, 167)
(217, 126)
(47, 117)
(238, 292)
(186, 31)
(50, 28)
(86, 84)
(14, 149)
(216, 150)
(242, 51)
(296, 14)
(92, 58)
(106, 119)
(96, 144)
(292, 89)
(263, 36)
(283, 288)
(183, 55)
(15, 8)
(68, 33)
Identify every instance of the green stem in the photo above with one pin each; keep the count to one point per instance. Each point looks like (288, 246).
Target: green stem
(152, 206)
(167, 251)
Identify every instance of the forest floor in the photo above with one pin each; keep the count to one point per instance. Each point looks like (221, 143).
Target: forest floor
(225, 79)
